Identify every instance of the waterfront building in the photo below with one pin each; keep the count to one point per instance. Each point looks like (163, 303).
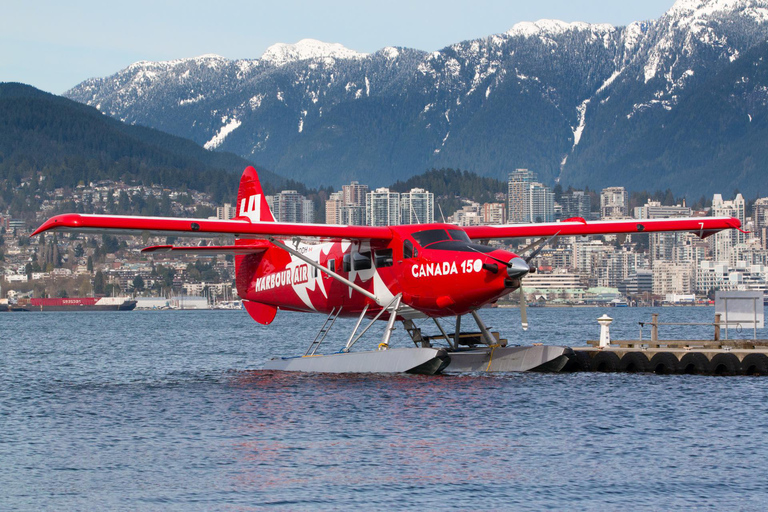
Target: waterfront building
(614, 202)
(417, 207)
(673, 278)
(557, 285)
(382, 207)
(718, 275)
(639, 283)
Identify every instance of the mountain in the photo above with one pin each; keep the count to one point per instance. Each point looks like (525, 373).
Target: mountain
(655, 104)
(71, 142)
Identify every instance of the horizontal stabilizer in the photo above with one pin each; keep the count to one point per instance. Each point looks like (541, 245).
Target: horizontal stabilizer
(207, 249)
(262, 313)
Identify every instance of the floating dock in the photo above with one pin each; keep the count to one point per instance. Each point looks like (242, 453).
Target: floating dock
(698, 357)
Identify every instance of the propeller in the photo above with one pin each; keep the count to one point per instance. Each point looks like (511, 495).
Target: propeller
(518, 267)
(523, 311)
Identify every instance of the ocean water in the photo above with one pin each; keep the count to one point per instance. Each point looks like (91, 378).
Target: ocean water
(170, 411)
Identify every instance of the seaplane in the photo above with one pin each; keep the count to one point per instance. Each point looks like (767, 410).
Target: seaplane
(404, 273)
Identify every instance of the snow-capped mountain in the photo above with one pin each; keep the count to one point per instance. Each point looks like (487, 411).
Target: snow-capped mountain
(589, 104)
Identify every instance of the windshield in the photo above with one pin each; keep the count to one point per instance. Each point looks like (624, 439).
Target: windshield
(430, 236)
(455, 245)
(458, 234)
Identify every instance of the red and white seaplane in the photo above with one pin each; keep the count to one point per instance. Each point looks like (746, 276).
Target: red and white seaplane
(394, 273)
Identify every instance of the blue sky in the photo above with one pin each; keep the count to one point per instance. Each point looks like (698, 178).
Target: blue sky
(55, 45)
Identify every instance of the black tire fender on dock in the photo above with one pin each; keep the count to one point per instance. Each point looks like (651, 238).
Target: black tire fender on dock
(694, 363)
(665, 363)
(605, 362)
(579, 361)
(725, 364)
(633, 362)
(755, 364)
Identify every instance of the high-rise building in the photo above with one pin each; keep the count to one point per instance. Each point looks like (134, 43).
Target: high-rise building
(760, 220)
(226, 212)
(352, 215)
(576, 203)
(348, 206)
(518, 190)
(723, 241)
(493, 213)
(382, 207)
(662, 245)
(290, 206)
(417, 207)
(333, 208)
(354, 194)
(541, 203)
(614, 202)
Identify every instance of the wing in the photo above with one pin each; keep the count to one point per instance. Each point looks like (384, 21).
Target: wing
(702, 226)
(240, 228)
(207, 249)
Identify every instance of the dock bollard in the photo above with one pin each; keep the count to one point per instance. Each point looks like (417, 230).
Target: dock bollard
(605, 330)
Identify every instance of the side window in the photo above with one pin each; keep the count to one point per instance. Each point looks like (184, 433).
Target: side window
(407, 249)
(362, 260)
(332, 265)
(346, 263)
(383, 258)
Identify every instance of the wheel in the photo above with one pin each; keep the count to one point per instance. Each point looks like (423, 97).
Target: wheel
(755, 364)
(725, 364)
(633, 362)
(664, 363)
(694, 363)
(605, 362)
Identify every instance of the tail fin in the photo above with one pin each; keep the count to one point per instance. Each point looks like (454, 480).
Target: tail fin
(251, 202)
(252, 205)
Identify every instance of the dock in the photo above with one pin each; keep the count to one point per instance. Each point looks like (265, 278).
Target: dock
(699, 357)
(696, 357)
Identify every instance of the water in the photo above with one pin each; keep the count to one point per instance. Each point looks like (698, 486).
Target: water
(168, 411)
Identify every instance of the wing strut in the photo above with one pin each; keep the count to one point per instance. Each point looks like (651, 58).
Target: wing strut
(309, 261)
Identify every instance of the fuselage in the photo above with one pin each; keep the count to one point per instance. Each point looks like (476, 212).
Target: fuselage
(435, 267)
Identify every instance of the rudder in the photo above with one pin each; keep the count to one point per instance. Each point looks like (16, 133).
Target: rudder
(251, 201)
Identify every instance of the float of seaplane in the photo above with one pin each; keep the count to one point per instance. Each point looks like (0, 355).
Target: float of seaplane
(405, 273)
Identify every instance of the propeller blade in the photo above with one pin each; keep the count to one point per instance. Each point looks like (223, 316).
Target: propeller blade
(539, 248)
(523, 311)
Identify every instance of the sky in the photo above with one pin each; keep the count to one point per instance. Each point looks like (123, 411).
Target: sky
(54, 45)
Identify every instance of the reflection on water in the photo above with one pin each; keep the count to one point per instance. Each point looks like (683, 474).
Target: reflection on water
(159, 411)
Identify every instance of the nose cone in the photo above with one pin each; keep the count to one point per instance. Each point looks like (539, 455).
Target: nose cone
(517, 268)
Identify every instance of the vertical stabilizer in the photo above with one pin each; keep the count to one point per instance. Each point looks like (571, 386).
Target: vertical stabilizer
(251, 202)
(252, 205)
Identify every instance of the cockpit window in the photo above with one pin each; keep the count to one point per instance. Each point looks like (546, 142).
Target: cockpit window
(430, 236)
(458, 234)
